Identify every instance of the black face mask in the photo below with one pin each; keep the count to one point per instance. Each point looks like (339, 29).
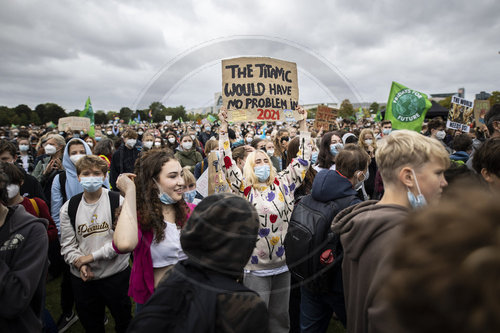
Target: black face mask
(285, 138)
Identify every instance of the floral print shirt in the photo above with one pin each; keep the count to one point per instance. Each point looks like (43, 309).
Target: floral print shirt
(273, 203)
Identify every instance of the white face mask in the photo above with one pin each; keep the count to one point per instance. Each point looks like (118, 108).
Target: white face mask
(50, 149)
(187, 145)
(109, 132)
(148, 144)
(75, 158)
(131, 142)
(12, 190)
(441, 135)
(249, 139)
(270, 152)
(171, 140)
(140, 133)
(157, 144)
(368, 141)
(24, 147)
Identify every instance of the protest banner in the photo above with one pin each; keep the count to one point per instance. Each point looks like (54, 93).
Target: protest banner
(460, 115)
(260, 88)
(481, 107)
(406, 108)
(74, 124)
(216, 179)
(326, 117)
(202, 184)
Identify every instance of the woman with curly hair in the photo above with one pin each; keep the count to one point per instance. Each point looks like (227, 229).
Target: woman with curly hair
(151, 217)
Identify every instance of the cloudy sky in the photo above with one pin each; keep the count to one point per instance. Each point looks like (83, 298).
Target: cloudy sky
(131, 53)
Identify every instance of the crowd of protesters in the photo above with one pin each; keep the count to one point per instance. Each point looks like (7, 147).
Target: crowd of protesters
(116, 215)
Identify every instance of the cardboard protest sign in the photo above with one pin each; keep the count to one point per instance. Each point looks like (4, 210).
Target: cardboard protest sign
(260, 88)
(481, 107)
(216, 180)
(326, 117)
(202, 184)
(74, 123)
(461, 114)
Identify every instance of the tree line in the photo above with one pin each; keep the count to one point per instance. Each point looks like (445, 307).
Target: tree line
(51, 112)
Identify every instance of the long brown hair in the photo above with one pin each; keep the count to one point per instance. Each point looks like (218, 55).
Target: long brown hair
(278, 151)
(149, 207)
(293, 149)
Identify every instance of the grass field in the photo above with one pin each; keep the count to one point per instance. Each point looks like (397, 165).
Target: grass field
(52, 304)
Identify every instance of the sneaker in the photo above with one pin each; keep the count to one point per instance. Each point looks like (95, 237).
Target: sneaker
(65, 322)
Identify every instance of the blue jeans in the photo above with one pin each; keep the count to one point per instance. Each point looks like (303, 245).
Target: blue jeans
(316, 310)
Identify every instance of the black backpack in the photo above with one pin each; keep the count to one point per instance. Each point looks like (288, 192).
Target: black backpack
(185, 301)
(313, 252)
(74, 202)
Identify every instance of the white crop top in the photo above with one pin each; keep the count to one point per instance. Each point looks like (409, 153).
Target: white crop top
(168, 251)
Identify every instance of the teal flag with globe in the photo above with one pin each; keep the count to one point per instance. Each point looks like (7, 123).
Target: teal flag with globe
(406, 108)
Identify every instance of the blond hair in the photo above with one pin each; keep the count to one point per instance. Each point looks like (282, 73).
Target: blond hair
(188, 176)
(406, 148)
(89, 162)
(248, 169)
(362, 135)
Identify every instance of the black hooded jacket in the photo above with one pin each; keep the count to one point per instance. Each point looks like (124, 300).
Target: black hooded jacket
(23, 269)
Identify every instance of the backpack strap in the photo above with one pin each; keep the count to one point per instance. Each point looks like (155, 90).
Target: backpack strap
(114, 202)
(74, 202)
(35, 206)
(62, 185)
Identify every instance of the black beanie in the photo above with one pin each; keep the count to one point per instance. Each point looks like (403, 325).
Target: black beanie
(221, 233)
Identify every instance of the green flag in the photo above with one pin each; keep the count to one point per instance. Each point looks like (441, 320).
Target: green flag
(211, 118)
(88, 112)
(406, 108)
(378, 116)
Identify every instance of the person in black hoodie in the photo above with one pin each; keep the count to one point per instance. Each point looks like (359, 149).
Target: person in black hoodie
(333, 185)
(23, 265)
(124, 157)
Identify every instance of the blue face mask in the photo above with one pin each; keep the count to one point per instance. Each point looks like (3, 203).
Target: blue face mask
(91, 184)
(386, 131)
(314, 157)
(164, 197)
(189, 196)
(262, 172)
(419, 200)
(334, 148)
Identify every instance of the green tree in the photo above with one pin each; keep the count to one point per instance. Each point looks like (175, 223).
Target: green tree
(495, 98)
(126, 114)
(6, 115)
(75, 113)
(176, 113)
(100, 117)
(50, 112)
(346, 110)
(311, 113)
(24, 114)
(445, 102)
(374, 108)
